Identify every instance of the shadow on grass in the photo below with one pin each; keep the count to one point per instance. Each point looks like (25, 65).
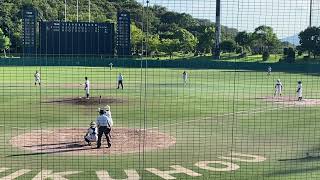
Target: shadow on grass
(303, 159)
(40, 145)
(292, 171)
(56, 150)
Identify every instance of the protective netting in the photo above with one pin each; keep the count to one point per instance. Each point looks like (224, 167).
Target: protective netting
(147, 74)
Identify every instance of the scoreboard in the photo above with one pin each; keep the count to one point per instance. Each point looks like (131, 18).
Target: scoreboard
(29, 24)
(80, 38)
(123, 33)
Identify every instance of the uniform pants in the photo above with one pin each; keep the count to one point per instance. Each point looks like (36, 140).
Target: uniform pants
(103, 130)
(120, 83)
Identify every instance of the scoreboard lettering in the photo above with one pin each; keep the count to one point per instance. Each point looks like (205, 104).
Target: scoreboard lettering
(123, 34)
(77, 38)
(29, 24)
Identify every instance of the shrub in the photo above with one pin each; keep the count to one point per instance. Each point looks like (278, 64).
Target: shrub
(265, 55)
(239, 50)
(291, 56)
(285, 51)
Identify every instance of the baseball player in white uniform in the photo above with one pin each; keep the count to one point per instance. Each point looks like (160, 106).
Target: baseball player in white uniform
(92, 134)
(185, 77)
(299, 90)
(87, 87)
(37, 78)
(269, 70)
(278, 88)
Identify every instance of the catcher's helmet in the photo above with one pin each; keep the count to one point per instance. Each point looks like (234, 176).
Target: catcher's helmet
(93, 124)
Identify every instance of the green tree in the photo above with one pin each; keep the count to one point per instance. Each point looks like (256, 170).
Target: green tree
(228, 46)
(188, 41)
(206, 40)
(4, 43)
(169, 46)
(159, 20)
(243, 39)
(264, 39)
(310, 41)
(136, 38)
(154, 43)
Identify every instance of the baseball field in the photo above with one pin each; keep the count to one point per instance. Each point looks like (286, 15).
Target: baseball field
(223, 124)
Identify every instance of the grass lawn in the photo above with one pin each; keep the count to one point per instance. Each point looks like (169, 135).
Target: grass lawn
(217, 113)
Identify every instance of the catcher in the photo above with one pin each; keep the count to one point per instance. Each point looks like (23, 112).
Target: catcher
(92, 134)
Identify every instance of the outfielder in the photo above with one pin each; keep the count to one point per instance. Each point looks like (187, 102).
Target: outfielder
(92, 134)
(299, 90)
(87, 87)
(269, 70)
(278, 88)
(185, 77)
(37, 78)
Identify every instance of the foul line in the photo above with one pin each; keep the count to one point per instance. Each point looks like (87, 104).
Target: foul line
(251, 111)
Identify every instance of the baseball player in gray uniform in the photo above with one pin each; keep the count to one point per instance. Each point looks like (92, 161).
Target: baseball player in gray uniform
(120, 81)
(104, 124)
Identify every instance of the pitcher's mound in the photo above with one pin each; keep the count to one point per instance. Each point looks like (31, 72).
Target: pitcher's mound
(70, 141)
(292, 100)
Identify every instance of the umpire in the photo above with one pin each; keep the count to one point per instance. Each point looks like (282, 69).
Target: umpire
(104, 127)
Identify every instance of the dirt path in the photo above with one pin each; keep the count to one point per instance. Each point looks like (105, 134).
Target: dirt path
(69, 141)
(291, 100)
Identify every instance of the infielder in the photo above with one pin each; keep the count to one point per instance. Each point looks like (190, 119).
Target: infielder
(185, 77)
(37, 78)
(120, 81)
(299, 90)
(92, 134)
(104, 127)
(278, 88)
(87, 87)
(269, 70)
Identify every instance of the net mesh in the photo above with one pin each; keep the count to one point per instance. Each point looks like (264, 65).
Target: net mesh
(177, 112)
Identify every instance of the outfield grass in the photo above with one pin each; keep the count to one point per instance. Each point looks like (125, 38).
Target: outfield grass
(217, 113)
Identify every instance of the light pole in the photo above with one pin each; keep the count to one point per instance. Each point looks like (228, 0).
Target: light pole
(77, 10)
(147, 28)
(218, 30)
(89, 11)
(310, 18)
(65, 10)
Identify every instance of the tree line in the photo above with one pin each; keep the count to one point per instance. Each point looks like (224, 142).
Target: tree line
(154, 30)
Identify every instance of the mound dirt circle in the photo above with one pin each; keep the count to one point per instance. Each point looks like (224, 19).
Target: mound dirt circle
(292, 100)
(85, 102)
(69, 141)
